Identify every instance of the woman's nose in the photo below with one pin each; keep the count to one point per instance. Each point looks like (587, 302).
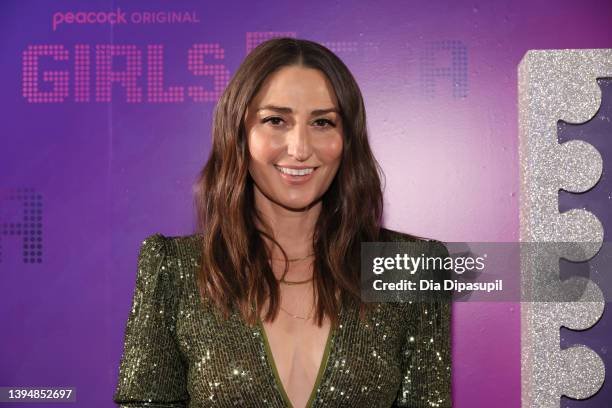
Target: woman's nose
(298, 143)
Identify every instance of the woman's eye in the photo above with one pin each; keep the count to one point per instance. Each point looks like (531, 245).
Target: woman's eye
(322, 123)
(273, 119)
(325, 121)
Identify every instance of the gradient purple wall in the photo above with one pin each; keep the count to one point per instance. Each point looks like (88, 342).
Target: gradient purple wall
(106, 170)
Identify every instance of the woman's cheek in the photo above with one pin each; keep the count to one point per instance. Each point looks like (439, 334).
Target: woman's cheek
(261, 146)
(332, 147)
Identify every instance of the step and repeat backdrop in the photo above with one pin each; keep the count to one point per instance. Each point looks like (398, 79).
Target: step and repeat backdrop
(106, 122)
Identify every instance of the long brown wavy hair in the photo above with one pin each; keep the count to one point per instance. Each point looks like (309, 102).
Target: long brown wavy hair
(235, 272)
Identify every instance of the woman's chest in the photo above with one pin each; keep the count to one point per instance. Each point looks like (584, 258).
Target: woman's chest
(229, 362)
(298, 350)
(365, 362)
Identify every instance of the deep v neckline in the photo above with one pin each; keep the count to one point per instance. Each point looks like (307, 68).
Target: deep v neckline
(322, 365)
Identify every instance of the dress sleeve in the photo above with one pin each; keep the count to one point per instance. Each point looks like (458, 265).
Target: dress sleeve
(426, 355)
(152, 372)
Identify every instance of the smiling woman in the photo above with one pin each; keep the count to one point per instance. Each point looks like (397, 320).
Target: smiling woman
(261, 307)
(295, 147)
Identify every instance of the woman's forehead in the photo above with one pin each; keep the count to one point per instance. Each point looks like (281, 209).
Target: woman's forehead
(296, 88)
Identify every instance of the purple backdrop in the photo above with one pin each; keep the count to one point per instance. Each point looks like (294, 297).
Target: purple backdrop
(106, 125)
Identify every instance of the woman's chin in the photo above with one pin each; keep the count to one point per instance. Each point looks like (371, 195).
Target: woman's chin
(297, 204)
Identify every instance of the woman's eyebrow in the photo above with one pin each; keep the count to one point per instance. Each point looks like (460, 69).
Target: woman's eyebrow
(283, 109)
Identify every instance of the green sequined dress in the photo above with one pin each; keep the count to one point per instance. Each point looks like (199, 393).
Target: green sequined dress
(179, 352)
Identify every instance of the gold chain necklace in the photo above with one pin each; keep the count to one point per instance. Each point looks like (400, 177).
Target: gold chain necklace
(294, 259)
(295, 316)
(286, 282)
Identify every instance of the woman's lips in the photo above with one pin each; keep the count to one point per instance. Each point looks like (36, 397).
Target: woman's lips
(292, 178)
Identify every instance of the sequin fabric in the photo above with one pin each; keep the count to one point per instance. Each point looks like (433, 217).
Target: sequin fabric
(180, 352)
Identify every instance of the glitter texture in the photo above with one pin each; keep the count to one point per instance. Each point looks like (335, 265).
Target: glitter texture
(558, 85)
(180, 352)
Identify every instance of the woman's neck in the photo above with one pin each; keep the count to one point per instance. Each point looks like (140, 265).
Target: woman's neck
(293, 230)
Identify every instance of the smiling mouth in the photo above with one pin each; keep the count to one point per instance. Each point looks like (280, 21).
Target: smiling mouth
(296, 172)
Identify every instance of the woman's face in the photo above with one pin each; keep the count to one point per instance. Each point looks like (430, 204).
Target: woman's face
(294, 135)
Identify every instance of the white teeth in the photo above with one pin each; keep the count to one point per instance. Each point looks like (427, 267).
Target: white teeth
(296, 172)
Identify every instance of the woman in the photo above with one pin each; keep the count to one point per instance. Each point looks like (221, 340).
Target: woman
(262, 308)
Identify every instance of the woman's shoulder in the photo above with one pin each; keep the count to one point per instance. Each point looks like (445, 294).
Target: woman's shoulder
(173, 245)
(389, 235)
(432, 245)
(171, 255)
